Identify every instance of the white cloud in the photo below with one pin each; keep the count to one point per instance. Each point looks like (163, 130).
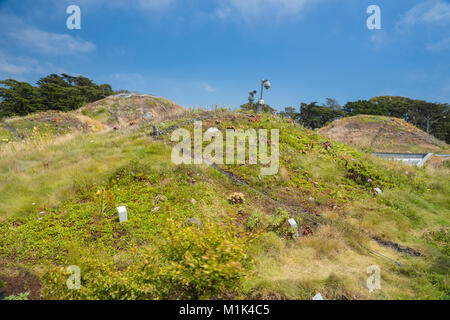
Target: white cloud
(11, 68)
(208, 88)
(49, 42)
(22, 68)
(241, 10)
(432, 12)
(250, 10)
(14, 30)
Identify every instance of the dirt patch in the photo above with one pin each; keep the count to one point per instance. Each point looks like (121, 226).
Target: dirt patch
(19, 280)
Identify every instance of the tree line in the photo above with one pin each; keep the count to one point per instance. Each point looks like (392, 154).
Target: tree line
(433, 118)
(54, 92)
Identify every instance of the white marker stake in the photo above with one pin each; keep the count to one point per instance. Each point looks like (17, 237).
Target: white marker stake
(293, 223)
(123, 216)
(317, 297)
(378, 190)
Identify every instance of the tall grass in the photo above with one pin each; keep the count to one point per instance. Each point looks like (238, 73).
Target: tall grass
(32, 179)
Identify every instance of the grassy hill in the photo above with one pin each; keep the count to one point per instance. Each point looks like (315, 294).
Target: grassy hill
(113, 112)
(45, 124)
(382, 134)
(185, 238)
(117, 111)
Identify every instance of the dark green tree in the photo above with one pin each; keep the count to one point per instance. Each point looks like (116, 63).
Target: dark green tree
(53, 92)
(314, 116)
(426, 114)
(18, 98)
(290, 112)
(364, 107)
(393, 106)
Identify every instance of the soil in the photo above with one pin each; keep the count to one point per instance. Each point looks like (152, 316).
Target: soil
(19, 280)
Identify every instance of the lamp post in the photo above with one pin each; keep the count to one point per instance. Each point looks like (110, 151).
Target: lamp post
(265, 84)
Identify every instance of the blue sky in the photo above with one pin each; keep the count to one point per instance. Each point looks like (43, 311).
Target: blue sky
(200, 53)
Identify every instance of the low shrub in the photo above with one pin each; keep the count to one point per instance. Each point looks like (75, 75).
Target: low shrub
(189, 262)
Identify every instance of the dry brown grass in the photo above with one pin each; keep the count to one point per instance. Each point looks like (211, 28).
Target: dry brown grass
(121, 112)
(382, 134)
(322, 263)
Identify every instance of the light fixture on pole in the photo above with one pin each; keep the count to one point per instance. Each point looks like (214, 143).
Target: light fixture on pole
(265, 84)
